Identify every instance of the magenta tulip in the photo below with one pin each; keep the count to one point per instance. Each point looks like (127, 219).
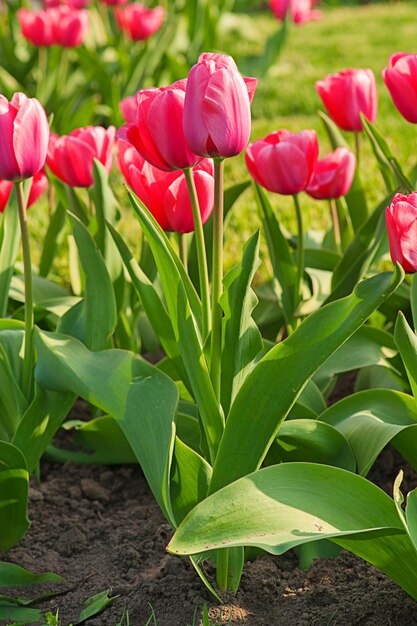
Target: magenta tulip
(37, 27)
(165, 193)
(72, 4)
(283, 162)
(347, 94)
(157, 134)
(401, 220)
(113, 3)
(24, 133)
(138, 21)
(401, 80)
(333, 175)
(71, 157)
(70, 26)
(129, 108)
(298, 11)
(217, 118)
(38, 185)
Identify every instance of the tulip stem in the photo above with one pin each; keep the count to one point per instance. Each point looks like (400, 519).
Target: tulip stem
(201, 251)
(27, 272)
(300, 251)
(357, 148)
(183, 247)
(336, 225)
(42, 71)
(217, 278)
(222, 568)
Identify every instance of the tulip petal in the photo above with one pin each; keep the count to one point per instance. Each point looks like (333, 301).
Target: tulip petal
(284, 168)
(30, 138)
(195, 130)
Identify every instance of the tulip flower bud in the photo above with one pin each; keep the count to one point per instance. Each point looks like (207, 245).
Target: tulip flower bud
(129, 108)
(165, 194)
(333, 175)
(71, 157)
(37, 27)
(38, 186)
(70, 26)
(401, 220)
(401, 80)
(24, 132)
(217, 118)
(138, 21)
(348, 94)
(157, 133)
(283, 162)
(298, 11)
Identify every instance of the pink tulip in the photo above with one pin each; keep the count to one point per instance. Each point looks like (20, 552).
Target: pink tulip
(71, 157)
(401, 80)
(113, 3)
(70, 26)
(139, 22)
(38, 186)
(165, 193)
(401, 220)
(298, 11)
(333, 175)
(37, 27)
(157, 134)
(347, 94)
(129, 108)
(24, 133)
(283, 162)
(217, 119)
(72, 4)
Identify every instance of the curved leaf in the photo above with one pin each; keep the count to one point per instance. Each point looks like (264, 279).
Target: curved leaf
(14, 488)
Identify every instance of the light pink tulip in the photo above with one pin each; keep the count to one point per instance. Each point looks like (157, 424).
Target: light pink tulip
(139, 22)
(401, 220)
(71, 157)
(217, 118)
(283, 162)
(333, 175)
(24, 133)
(347, 94)
(38, 186)
(298, 11)
(165, 194)
(157, 133)
(401, 80)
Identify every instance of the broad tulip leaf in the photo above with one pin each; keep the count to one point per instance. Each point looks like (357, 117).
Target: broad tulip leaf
(95, 605)
(371, 419)
(355, 198)
(287, 505)
(94, 319)
(12, 400)
(271, 389)
(242, 341)
(411, 516)
(14, 486)
(50, 244)
(9, 244)
(183, 304)
(310, 402)
(406, 341)
(141, 398)
(12, 575)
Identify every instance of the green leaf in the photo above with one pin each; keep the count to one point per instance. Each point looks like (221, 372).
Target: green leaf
(20, 615)
(12, 575)
(141, 398)
(258, 409)
(14, 485)
(242, 340)
(95, 605)
(94, 319)
(411, 515)
(12, 400)
(9, 244)
(371, 419)
(50, 244)
(287, 505)
(406, 342)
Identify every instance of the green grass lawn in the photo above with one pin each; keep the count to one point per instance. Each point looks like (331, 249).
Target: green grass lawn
(359, 36)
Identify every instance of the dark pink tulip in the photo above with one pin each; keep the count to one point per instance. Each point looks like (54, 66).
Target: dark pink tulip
(129, 108)
(38, 186)
(157, 134)
(333, 175)
(347, 94)
(24, 133)
(217, 119)
(113, 3)
(70, 26)
(401, 220)
(401, 80)
(139, 22)
(72, 4)
(71, 157)
(165, 193)
(283, 162)
(298, 11)
(37, 27)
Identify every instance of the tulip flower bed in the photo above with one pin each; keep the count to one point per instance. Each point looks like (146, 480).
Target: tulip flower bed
(264, 420)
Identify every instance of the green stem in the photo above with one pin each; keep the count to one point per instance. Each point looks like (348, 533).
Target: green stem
(42, 72)
(183, 248)
(336, 225)
(201, 252)
(217, 279)
(27, 272)
(300, 251)
(357, 148)
(222, 568)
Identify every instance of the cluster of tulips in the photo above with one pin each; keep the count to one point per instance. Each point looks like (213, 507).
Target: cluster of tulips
(66, 23)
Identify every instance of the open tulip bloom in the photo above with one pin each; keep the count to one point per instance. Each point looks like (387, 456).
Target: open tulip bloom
(401, 80)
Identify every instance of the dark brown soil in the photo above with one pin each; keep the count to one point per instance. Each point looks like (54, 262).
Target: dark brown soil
(100, 528)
